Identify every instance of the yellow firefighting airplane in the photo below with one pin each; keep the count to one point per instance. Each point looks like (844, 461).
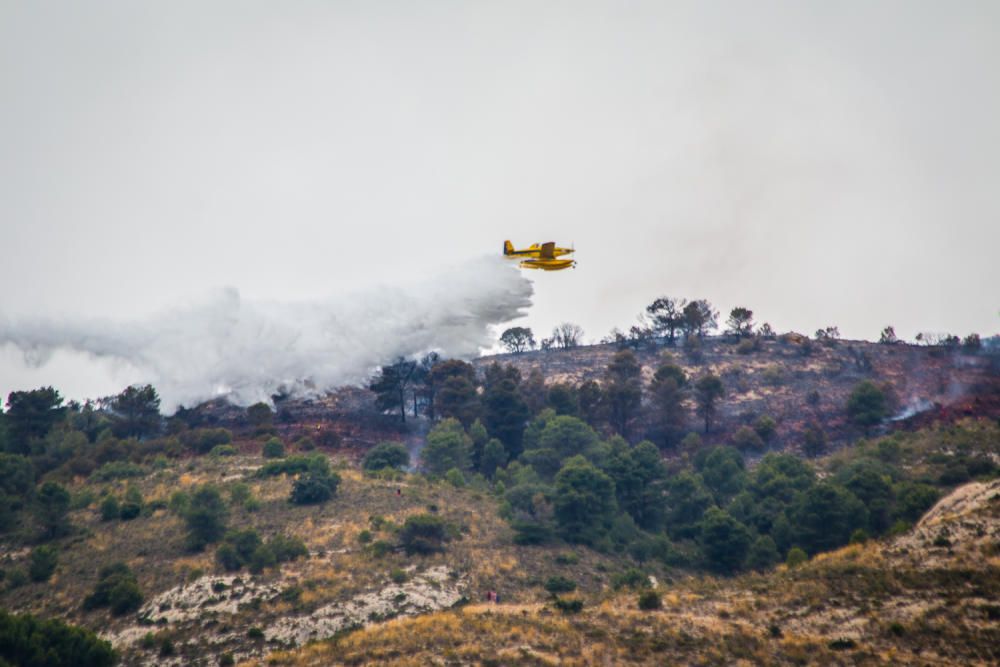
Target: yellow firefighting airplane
(545, 256)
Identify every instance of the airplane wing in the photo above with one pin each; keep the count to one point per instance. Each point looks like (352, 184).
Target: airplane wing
(548, 250)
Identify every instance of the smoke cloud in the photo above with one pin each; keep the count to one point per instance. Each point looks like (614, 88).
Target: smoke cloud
(247, 350)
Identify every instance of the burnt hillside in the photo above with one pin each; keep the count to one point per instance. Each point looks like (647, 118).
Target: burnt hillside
(776, 377)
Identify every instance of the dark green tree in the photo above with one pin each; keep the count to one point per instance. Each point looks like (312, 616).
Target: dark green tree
(707, 392)
(534, 391)
(43, 562)
(494, 456)
(110, 508)
(867, 405)
(740, 322)
(640, 483)
(17, 475)
(273, 449)
(455, 391)
(563, 399)
(814, 440)
(723, 471)
(765, 427)
(391, 384)
(763, 554)
(584, 501)
(314, 486)
(424, 388)
(30, 415)
(518, 339)
(51, 507)
(687, 500)
(667, 316)
(824, 516)
(478, 437)
(912, 500)
(135, 412)
(592, 404)
(384, 455)
(505, 413)
(623, 391)
(423, 534)
(117, 588)
(558, 439)
(871, 483)
(206, 516)
(448, 446)
(724, 540)
(699, 318)
(666, 403)
(26, 641)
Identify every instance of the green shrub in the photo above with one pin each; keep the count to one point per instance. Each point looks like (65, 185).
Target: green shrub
(386, 455)
(314, 487)
(765, 427)
(206, 515)
(287, 548)
(763, 554)
(222, 450)
(423, 534)
(455, 478)
(273, 449)
(240, 494)
(255, 633)
(796, 557)
(365, 536)
(567, 558)
(559, 584)
(116, 588)
(292, 594)
(859, 536)
(294, 465)
(569, 606)
(650, 600)
(110, 509)
(118, 470)
(747, 438)
(129, 510)
(251, 505)
(398, 576)
(263, 557)
(630, 578)
(227, 557)
(380, 548)
(43, 563)
(202, 440)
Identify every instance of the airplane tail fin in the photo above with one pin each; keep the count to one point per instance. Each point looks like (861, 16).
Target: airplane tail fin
(508, 247)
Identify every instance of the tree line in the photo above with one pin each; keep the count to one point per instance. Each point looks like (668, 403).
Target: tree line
(669, 319)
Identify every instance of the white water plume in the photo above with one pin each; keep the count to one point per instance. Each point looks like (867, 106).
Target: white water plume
(249, 350)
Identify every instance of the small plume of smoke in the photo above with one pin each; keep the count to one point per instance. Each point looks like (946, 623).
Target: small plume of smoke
(913, 407)
(248, 351)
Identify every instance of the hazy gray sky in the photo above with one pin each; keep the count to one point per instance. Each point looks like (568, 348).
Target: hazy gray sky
(822, 163)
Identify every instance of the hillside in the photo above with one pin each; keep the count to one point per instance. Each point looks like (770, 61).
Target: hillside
(227, 535)
(775, 378)
(928, 597)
